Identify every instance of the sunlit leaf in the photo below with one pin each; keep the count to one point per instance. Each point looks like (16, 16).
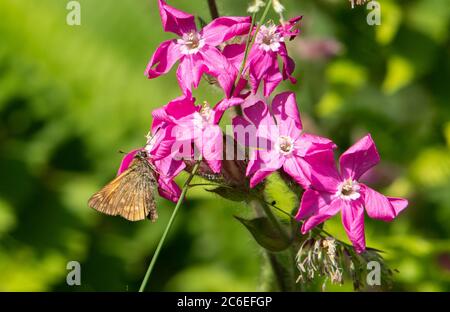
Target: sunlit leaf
(390, 21)
(329, 104)
(346, 72)
(400, 72)
(432, 167)
(279, 193)
(265, 233)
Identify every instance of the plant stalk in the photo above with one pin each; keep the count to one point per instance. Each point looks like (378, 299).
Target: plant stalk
(213, 9)
(251, 39)
(168, 227)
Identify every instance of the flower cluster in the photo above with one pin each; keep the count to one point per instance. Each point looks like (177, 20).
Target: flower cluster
(271, 132)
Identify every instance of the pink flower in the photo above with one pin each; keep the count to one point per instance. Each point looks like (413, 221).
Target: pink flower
(185, 123)
(262, 62)
(168, 142)
(202, 128)
(279, 138)
(196, 50)
(332, 192)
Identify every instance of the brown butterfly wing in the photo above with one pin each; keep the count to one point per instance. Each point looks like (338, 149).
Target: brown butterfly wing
(130, 195)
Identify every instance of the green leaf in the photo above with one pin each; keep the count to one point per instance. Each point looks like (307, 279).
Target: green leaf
(265, 234)
(229, 193)
(276, 190)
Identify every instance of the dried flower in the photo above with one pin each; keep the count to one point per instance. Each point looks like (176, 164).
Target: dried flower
(256, 6)
(318, 257)
(277, 6)
(358, 2)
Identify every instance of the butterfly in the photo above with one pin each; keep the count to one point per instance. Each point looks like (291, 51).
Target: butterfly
(131, 194)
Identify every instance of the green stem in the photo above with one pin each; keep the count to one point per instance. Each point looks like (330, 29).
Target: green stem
(283, 266)
(207, 184)
(278, 271)
(251, 39)
(261, 21)
(168, 227)
(213, 9)
(247, 47)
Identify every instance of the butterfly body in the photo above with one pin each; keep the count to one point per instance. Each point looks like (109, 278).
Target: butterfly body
(131, 194)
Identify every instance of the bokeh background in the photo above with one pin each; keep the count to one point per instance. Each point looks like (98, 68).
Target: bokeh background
(71, 97)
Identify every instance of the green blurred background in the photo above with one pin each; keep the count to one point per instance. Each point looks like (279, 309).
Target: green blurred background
(71, 97)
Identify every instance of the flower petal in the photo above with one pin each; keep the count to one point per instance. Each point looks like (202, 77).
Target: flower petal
(259, 176)
(190, 72)
(212, 147)
(257, 112)
(127, 160)
(377, 205)
(310, 203)
(272, 78)
(353, 221)
(399, 204)
(160, 145)
(288, 64)
(244, 132)
(163, 59)
(359, 158)
(290, 128)
(181, 107)
(317, 143)
(292, 27)
(296, 167)
(223, 105)
(254, 163)
(174, 20)
(225, 28)
(284, 106)
(172, 111)
(259, 63)
(176, 109)
(316, 207)
(267, 162)
(219, 67)
(235, 54)
(169, 189)
(325, 176)
(168, 168)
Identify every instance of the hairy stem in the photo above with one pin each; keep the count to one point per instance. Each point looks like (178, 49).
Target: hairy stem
(278, 271)
(284, 269)
(168, 227)
(280, 262)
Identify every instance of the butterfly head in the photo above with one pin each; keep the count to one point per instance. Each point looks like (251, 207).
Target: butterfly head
(142, 154)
